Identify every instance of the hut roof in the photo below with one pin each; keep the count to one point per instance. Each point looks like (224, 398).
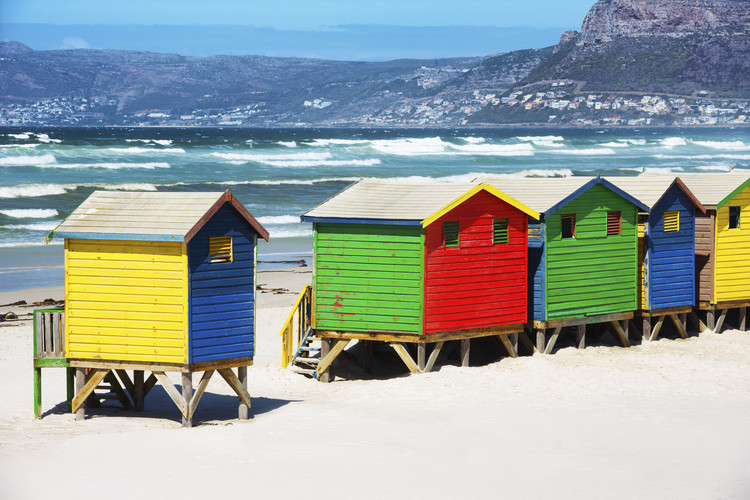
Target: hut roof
(378, 201)
(125, 215)
(548, 194)
(650, 188)
(713, 189)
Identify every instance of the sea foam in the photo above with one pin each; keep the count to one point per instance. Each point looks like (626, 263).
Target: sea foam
(30, 213)
(26, 161)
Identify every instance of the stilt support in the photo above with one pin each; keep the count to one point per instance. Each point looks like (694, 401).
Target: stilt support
(405, 356)
(657, 327)
(711, 320)
(541, 340)
(696, 319)
(742, 318)
(581, 336)
(243, 408)
(421, 356)
(678, 323)
(646, 335)
(621, 332)
(138, 390)
(187, 395)
(433, 356)
(526, 341)
(508, 344)
(552, 340)
(84, 387)
(465, 351)
(328, 354)
(720, 322)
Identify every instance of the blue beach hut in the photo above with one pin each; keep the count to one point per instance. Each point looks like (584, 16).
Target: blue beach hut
(666, 249)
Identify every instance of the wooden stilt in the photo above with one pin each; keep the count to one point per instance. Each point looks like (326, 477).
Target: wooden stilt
(94, 379)
(187, 395)
(405, 356)
(421, 356)
(514, 341)
(678, 325)
(172, 392)
(711, 320)
(433, 356)
(526, 341)
(646, 335)
(698, 323)
(540, 339)
(657, 327)
(465, 351)
(138, 393)
(552, 340)
(683, 322)
(37, 392)
(199, 392)
(581, 336)
(368, 345)
(325, 349)
(228, 375)
(148, 385)
(720, 322)
(70, 375)
(80, 382)
(621, 333)
(508, 346)
(743, 318)
(242, 376)
(330, 356)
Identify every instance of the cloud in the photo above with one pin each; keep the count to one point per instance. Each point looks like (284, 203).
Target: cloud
(72, 42)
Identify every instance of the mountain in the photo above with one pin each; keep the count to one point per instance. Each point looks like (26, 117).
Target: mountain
(255, 90)
(671, 46)
(666, 62)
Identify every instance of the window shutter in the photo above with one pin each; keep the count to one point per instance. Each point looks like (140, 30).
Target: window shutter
(613, 223)
(500, 231)
(569, 226)
(220, 249)
(450, 233)
(671, 221)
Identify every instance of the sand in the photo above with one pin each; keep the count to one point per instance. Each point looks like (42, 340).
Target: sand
(664, 420)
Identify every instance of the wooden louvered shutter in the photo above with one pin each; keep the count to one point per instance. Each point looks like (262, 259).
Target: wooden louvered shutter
(671, 221)
(613, 223)
(450, 233)
(220, 249)
(568, 226)
(500, 228)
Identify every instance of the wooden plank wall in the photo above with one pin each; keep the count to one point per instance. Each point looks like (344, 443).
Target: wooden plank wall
(671, 257)
(368, 277)
(125, 300)
(733, 251)
(642, 267)
(222, 294)
(705, 255)
(477, 284)
(537, 249)
(592, 273)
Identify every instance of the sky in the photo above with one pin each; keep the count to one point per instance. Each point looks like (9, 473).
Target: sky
(338, 29)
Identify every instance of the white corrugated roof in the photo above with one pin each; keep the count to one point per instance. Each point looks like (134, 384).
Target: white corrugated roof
(148, 214)
(541, 193)
(648, 188)
(711, 188)
(380, 199)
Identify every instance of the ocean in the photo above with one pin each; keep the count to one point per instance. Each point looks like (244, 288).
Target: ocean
(279, 174)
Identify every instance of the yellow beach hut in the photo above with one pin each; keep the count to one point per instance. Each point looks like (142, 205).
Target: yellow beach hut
(722, 244)
(160, 282)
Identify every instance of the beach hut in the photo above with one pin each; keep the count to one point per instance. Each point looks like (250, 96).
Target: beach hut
(160, 282)
(666, 250)
(417, 263)
(722, 245)
(583, 259)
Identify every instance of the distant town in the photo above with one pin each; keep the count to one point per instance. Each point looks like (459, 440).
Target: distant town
(560, 104)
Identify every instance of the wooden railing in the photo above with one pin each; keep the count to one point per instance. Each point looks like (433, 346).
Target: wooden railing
(293, 331)
(49, 334)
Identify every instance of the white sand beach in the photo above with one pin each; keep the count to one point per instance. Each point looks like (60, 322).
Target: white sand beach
(662, 420)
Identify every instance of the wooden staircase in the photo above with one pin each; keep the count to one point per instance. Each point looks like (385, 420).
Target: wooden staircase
(300, 347)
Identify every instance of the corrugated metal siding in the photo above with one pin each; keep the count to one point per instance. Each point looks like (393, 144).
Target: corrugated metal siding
(705, 255)
(671, 261)
(733, 251)
(125, 301)
(222, 294)
(368, 277)
(592, 273)
(477, 284)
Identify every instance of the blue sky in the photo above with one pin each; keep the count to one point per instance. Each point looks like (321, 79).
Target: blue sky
(311, 28)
